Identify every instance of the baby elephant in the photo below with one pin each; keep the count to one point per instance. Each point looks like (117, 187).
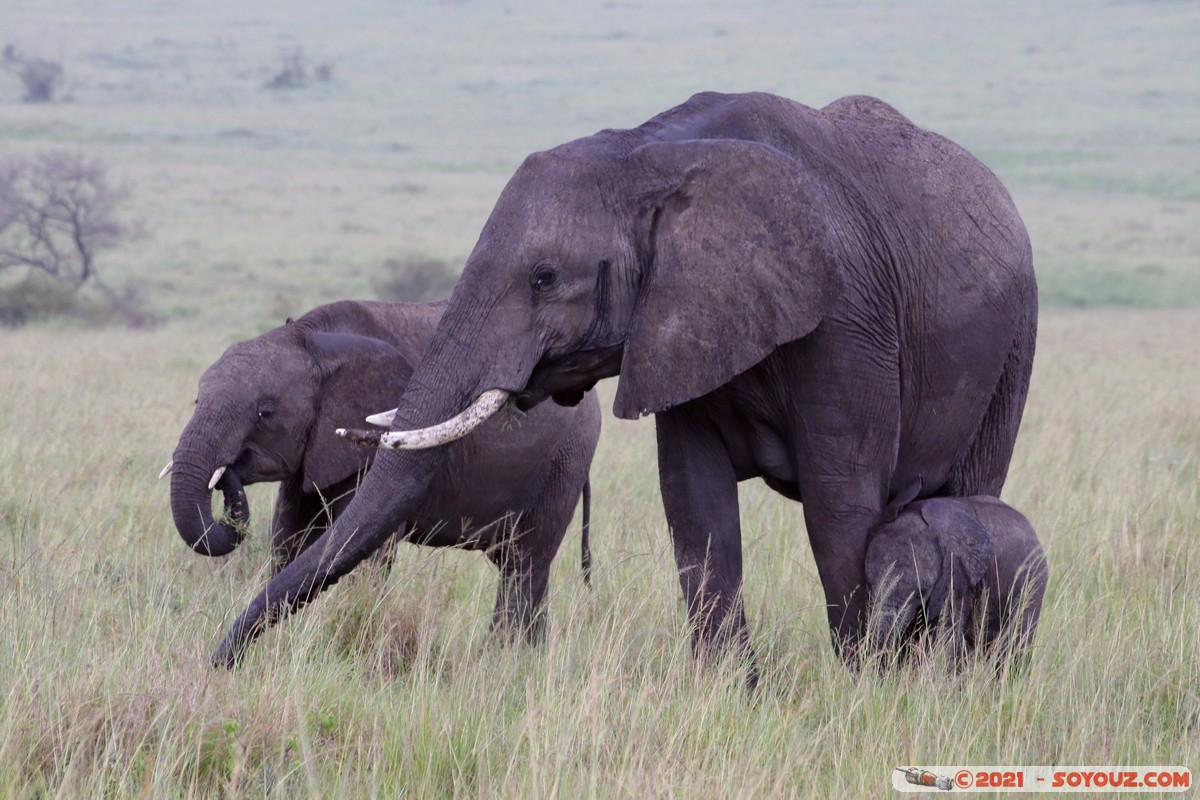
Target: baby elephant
(969, 566)
(267, 410)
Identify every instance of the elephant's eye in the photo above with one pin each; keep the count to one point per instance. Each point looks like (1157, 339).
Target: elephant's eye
(266, 412)
(544, 276)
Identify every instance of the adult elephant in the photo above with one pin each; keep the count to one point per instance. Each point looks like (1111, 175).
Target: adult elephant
(267, 410)
(834, 300)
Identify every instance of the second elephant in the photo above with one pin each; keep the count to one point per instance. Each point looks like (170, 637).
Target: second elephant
(267, 411)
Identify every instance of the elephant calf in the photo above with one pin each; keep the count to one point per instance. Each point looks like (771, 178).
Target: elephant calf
(267, 410)
(968, 566)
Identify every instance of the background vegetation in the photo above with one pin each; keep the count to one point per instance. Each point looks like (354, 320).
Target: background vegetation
(260, 202)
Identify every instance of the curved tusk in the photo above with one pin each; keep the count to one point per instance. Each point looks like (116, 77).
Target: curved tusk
(167, 469)
(383, 419)
(456, 427)
(212, 482)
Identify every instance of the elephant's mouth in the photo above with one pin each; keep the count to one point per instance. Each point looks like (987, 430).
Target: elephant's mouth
(237, 507)
(256, 464)
(241, 473)
(566, 378)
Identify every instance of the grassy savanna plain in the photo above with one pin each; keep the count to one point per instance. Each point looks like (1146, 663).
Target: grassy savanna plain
(263, 203)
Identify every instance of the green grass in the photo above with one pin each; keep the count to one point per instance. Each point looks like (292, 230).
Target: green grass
(261, 204)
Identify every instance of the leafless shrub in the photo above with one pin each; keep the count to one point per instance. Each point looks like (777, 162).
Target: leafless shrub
(38, 297)
(40, 77)
(415, 278)
(295, 71)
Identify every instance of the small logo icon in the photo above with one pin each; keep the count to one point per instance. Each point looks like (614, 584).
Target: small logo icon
(923, 777)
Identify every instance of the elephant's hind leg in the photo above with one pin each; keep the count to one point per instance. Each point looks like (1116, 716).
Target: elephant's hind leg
(524, 557)
(518, 613)
(300, 519)
(984, 467)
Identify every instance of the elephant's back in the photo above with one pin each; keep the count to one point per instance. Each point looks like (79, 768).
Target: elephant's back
(1014, 540)
(408, 326)
(927, 194)
(884, 175)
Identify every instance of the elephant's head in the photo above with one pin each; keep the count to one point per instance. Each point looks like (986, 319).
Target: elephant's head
(266, 411)
(931, 558)
(675, 264)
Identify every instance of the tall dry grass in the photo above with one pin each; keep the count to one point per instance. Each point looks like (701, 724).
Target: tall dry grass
(263, 204)
(390, 686)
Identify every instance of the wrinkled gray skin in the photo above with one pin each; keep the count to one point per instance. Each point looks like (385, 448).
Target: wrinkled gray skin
(957, 566)
(833, 300)
(268, 409)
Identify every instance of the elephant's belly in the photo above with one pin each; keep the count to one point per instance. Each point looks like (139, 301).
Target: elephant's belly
(761, 453)
(464, 532)
(752, 419)
(480, 499)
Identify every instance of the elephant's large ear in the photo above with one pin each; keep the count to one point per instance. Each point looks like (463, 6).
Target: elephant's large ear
(966, 551)
(361, 375)
(740, 258)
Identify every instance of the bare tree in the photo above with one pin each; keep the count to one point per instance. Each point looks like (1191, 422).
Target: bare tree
(58, 212)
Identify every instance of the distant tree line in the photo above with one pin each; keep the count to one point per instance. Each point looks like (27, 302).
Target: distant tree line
(42, 78)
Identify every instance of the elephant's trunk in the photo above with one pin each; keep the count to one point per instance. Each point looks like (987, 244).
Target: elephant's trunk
(389, 493)
(191, 504)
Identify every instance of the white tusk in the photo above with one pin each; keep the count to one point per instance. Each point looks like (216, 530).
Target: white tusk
(456, 427)
(383, 419)
(212, 482)
(167, 469)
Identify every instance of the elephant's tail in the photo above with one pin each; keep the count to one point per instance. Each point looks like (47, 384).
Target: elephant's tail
(586, 547)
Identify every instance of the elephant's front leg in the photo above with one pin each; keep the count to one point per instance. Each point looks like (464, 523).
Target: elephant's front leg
(303, 517)
(297, 522)
(699, 491)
